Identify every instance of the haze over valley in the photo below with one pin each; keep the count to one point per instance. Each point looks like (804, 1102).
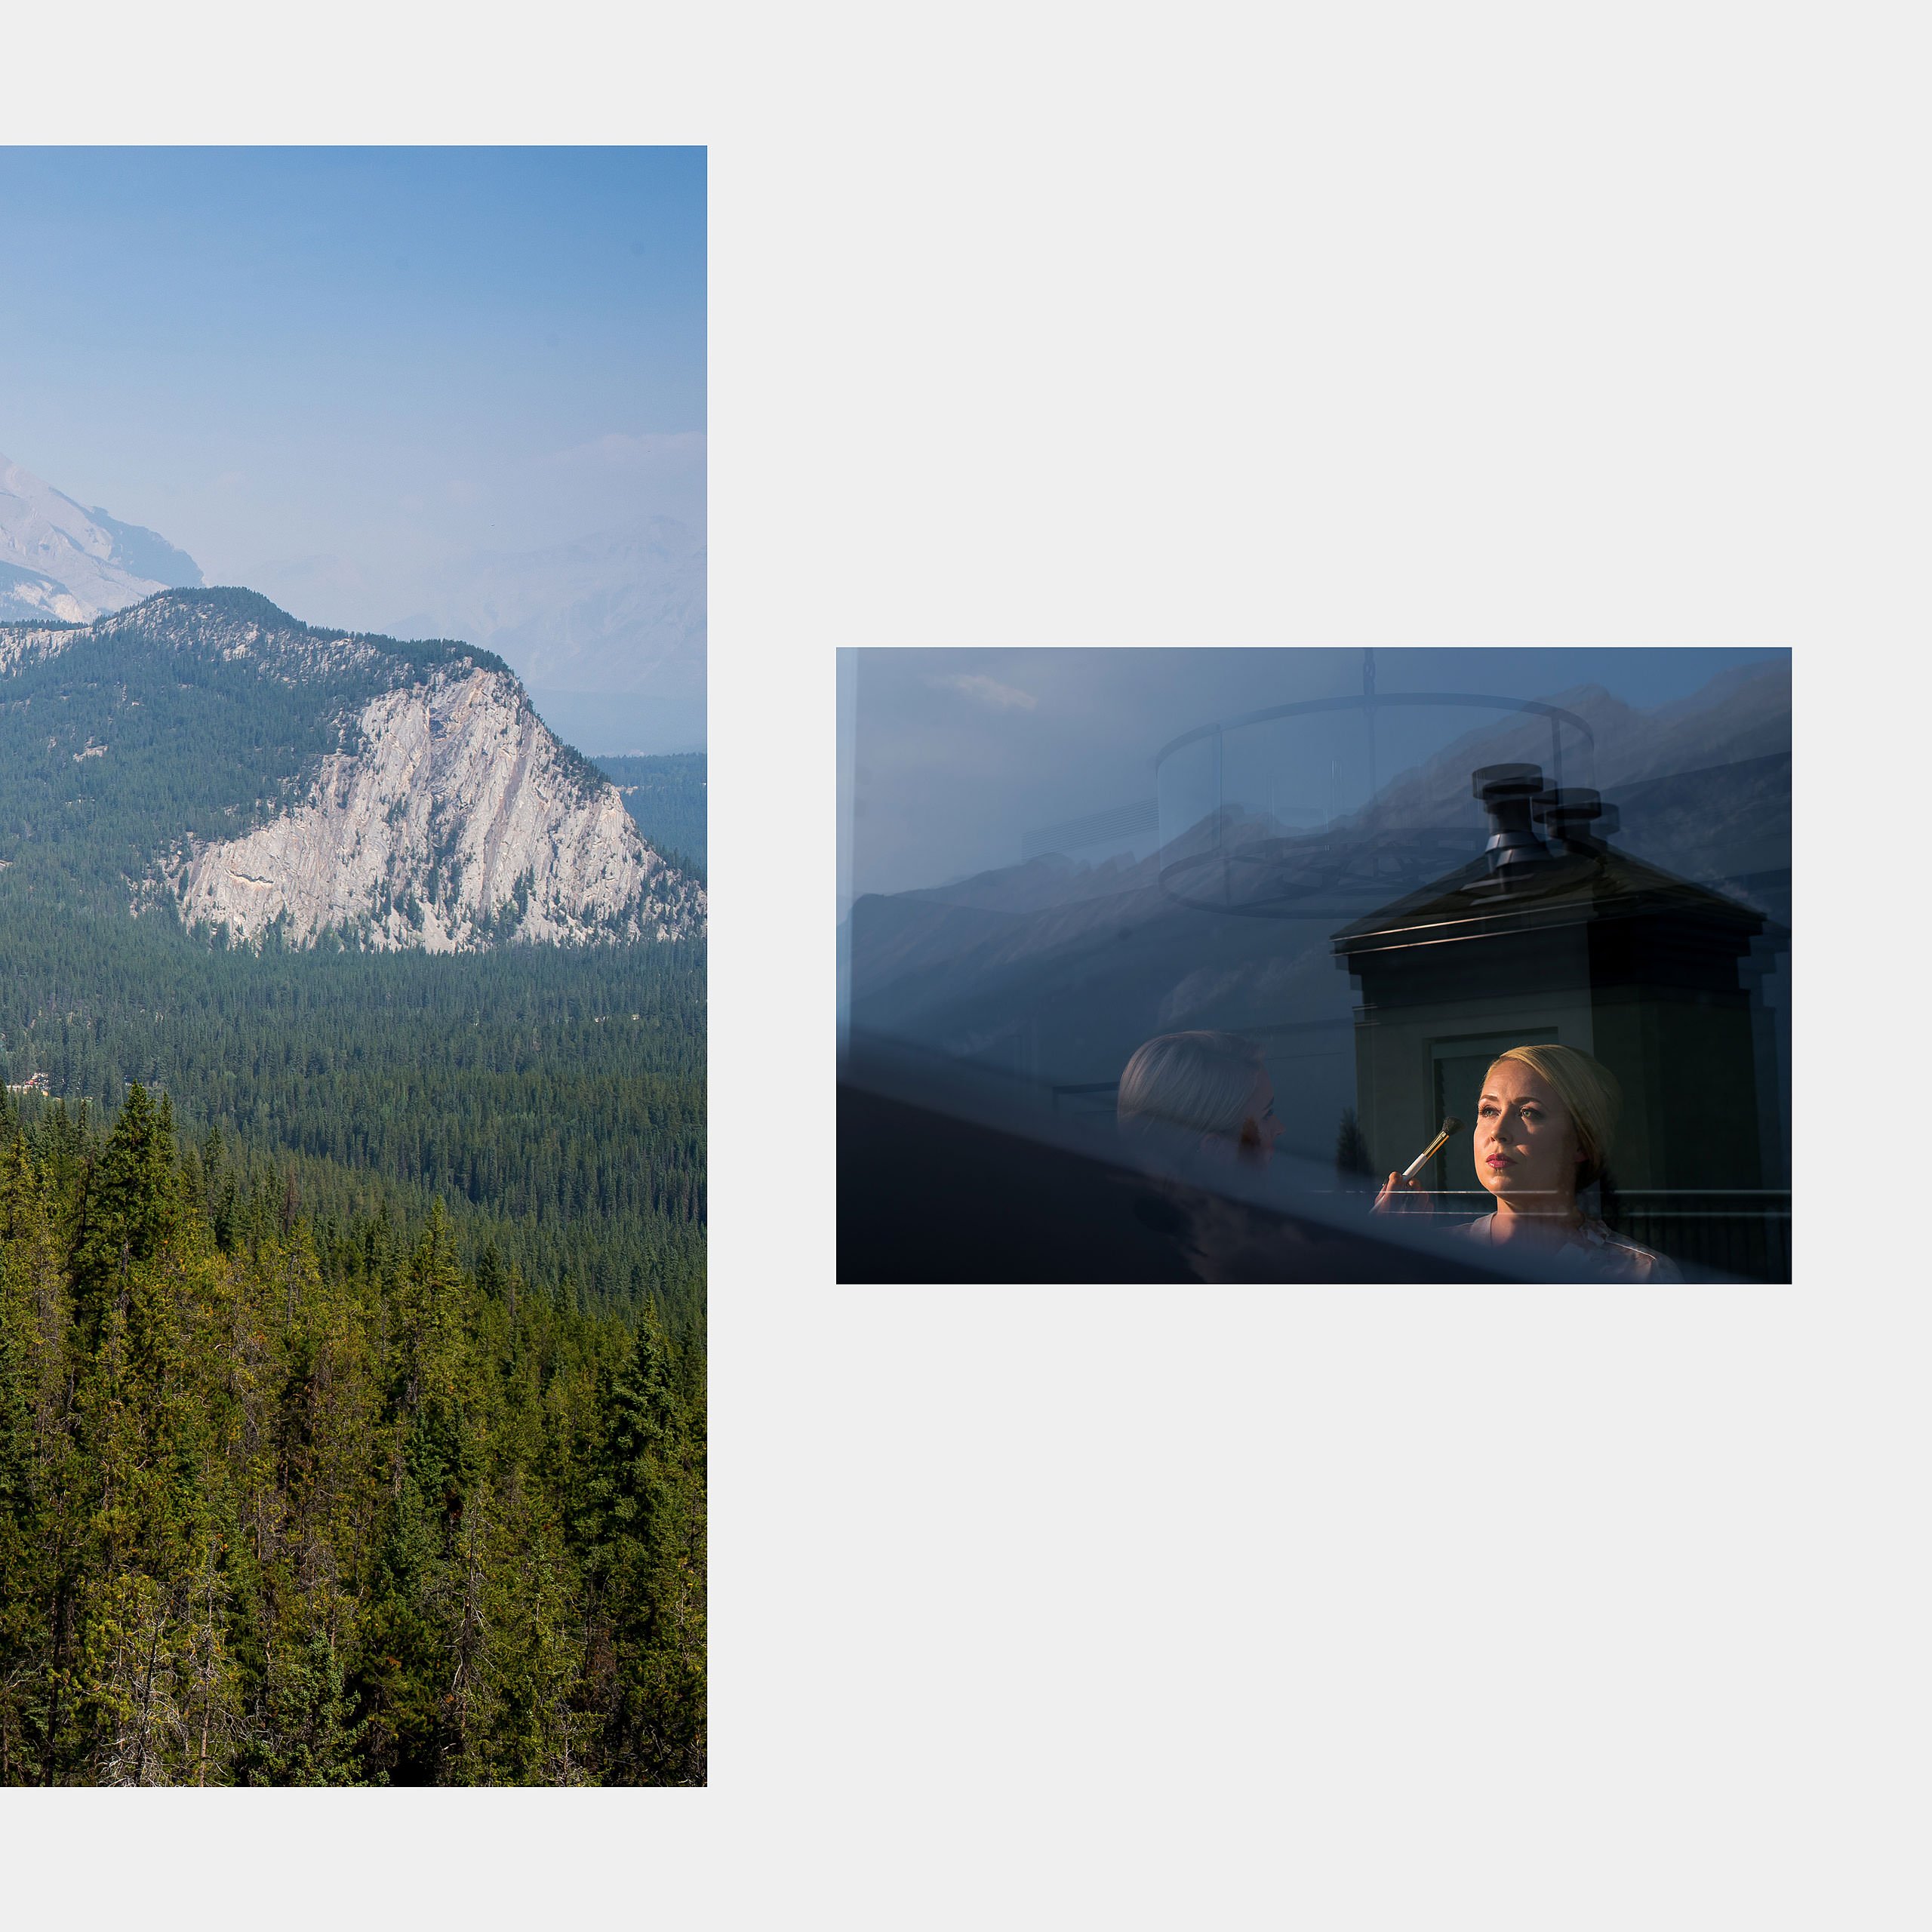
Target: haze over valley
(607, 630)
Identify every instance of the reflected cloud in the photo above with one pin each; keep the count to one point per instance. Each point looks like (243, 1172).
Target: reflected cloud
(987, 690)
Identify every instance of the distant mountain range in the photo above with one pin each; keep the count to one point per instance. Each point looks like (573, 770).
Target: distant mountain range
(60, 561)
(618, 613)
(1741, 714)
(202, 753)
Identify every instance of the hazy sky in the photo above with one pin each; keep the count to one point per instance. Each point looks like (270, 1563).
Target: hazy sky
(959, 754)
(397, 357)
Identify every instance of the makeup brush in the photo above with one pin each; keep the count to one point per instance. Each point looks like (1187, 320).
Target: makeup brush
(1451, 1124)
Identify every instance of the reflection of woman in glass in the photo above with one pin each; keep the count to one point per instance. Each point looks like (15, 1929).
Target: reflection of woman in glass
(1204, 1090)
(1543, 1128)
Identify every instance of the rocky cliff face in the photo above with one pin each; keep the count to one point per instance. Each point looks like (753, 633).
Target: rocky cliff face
(447, 817)
(456, 823)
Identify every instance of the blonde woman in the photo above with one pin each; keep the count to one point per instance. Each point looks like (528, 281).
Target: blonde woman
(1543, 1128)
(1209, 1090)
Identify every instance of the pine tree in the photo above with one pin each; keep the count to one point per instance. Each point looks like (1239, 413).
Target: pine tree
(642, 1526)
(1351, 1150)
(127, 1209)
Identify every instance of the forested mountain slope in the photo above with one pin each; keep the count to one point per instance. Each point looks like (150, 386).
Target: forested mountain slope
(204, 752)
(554, 1098)
(667, 795)
(552, 1095)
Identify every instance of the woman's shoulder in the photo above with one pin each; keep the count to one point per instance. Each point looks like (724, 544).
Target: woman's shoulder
(1611, 1254)
(1630, 1258)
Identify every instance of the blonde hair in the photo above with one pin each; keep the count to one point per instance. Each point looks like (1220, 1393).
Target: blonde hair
(1198, 1082)
(1590, 1096)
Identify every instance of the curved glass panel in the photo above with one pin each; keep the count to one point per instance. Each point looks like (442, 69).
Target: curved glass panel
(1304, 807)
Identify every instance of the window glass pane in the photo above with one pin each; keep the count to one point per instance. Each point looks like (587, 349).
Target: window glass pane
(1372, 872)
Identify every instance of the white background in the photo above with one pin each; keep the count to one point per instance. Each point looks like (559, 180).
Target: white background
(1227, 1607)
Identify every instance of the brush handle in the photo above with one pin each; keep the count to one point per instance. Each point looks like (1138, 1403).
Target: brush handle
(1415, 1166)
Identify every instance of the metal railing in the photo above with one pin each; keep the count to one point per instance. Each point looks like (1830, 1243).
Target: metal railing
(1743, 1231)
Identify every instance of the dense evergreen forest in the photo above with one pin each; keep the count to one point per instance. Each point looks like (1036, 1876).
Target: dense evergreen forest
(280, 1510)
(553, 1098)
(667, 797)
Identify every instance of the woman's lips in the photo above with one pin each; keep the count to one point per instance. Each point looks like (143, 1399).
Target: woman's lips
(1500, 1161)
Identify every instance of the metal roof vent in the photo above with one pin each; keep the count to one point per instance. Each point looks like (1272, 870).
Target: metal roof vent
(1508, 792)
(1574, 818)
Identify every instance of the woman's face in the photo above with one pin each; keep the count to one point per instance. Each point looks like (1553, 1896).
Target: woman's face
(1526, 1146)
(1260, 1129)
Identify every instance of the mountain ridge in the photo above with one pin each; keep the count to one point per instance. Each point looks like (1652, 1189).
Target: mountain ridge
(395, 795)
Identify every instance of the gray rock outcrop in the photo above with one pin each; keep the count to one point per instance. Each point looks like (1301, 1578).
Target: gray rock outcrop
(457, 824)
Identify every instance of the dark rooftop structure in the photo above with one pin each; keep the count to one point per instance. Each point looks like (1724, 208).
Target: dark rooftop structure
(1551, 934)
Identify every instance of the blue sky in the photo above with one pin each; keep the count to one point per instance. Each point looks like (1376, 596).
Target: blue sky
(397, 356)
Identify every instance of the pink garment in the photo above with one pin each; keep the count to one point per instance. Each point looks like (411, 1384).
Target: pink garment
(1611, 1255)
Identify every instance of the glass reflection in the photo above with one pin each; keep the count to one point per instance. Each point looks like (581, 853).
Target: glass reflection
(1413, 864)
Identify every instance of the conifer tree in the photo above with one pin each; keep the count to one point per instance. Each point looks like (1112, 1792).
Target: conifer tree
(643, 1529)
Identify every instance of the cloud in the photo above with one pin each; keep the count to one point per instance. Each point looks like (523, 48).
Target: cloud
(672, 449)
(1001, 697)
